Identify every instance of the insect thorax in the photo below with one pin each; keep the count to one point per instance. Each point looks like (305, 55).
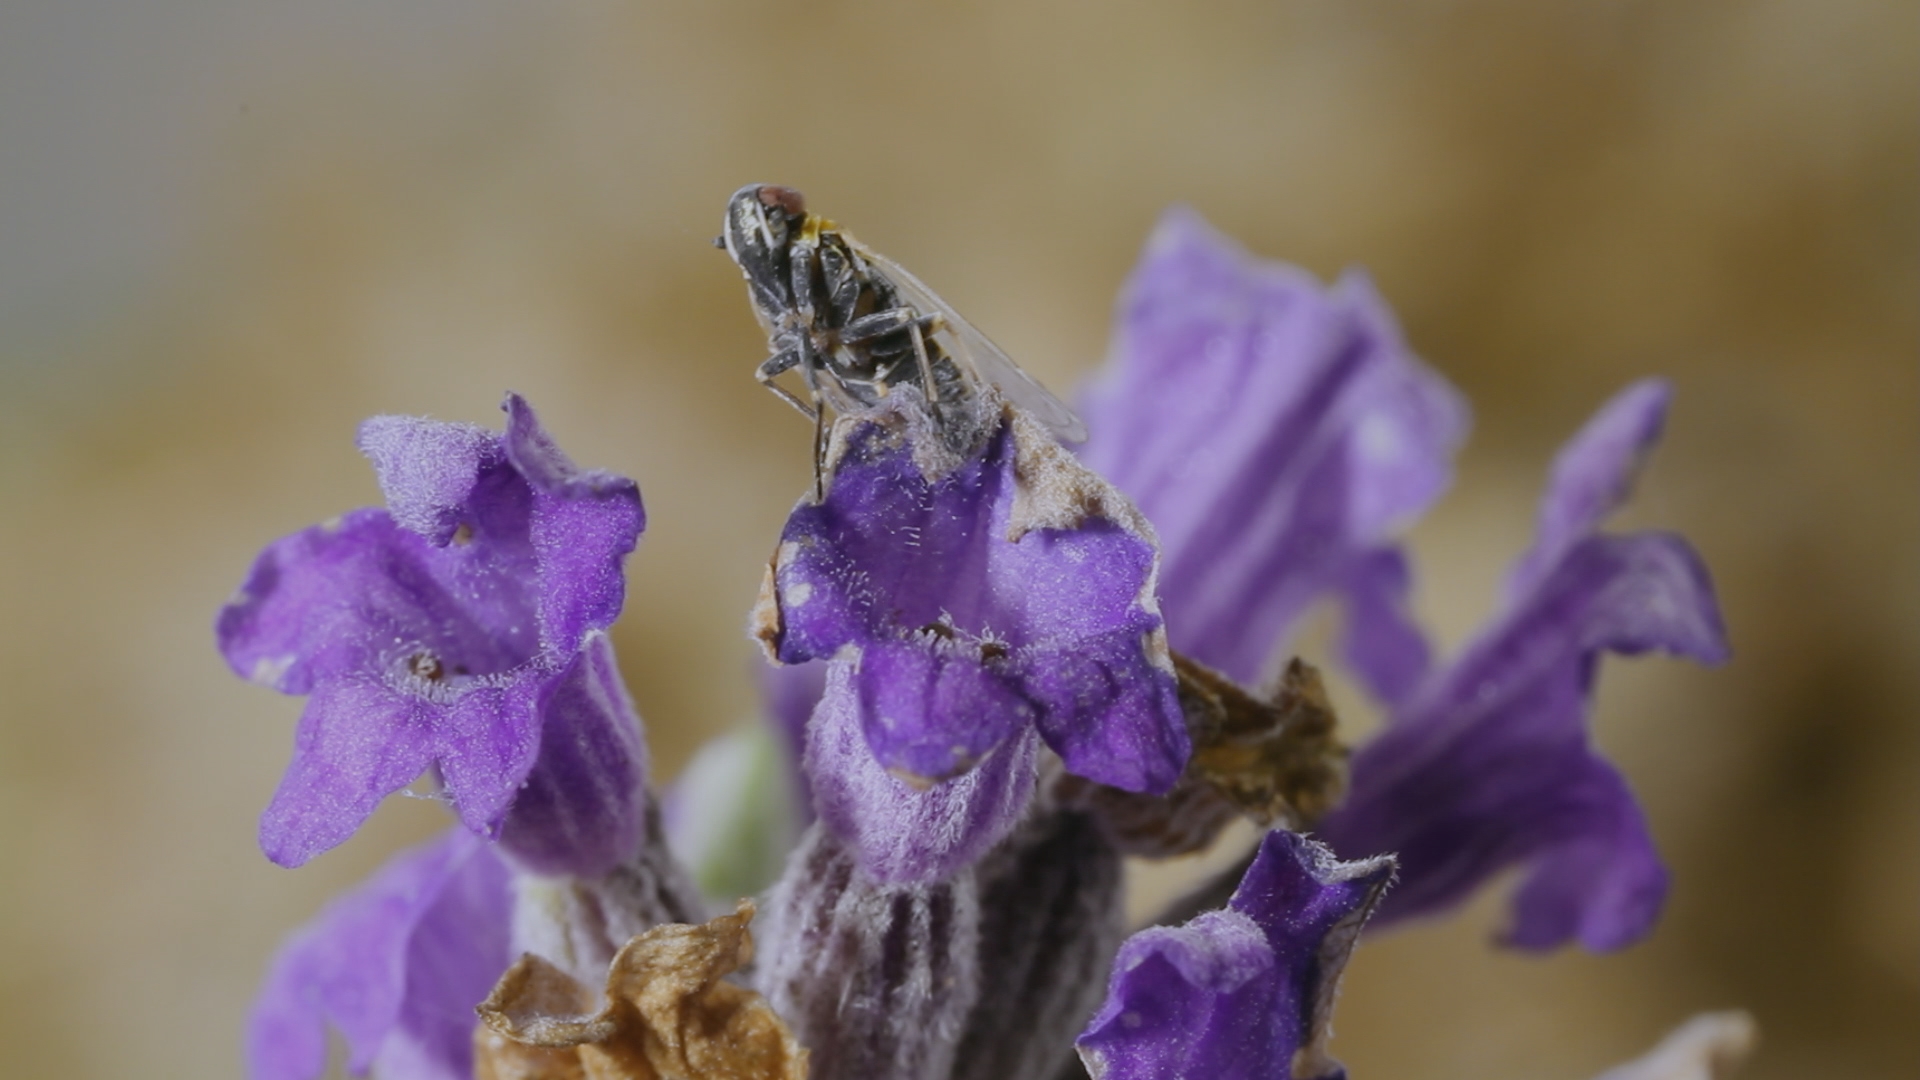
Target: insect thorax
(846, 288)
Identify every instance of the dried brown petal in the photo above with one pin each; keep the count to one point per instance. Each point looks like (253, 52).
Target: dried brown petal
(498, 1057)
(579, 924)
(538, 1004)
(667, 1014)
(1274, 761)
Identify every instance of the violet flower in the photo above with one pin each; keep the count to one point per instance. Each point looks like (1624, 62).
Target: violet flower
(1276, 433)
(1488, 765)
(1244, 993)
(973, 607)
(460, 630)
(396, 965)
(1305, 435)
(463, 630)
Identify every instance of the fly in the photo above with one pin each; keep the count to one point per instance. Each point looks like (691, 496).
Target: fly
(856, 324)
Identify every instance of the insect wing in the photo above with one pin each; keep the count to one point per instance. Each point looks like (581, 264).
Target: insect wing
(980, 356)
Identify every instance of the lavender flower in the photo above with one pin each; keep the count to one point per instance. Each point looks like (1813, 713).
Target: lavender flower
(1488, 764)
(995, 712)
(1243, 993)
(1307, 433)
(463, 630)
(973, 607)
(1276, 434)
(396, 965)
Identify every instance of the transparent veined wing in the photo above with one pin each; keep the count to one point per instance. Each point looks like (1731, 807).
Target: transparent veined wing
(978, 354)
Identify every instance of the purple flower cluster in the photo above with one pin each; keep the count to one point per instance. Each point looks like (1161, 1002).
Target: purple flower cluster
(971, 640)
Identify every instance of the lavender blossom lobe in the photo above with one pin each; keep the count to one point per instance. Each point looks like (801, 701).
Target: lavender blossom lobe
(1243, 993)
(1593, 475)
(1489, 764)
(450, 632)
(904, 832)
(1275, 432)
(396, 965)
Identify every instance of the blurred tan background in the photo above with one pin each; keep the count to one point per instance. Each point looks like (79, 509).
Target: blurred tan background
(229, 229)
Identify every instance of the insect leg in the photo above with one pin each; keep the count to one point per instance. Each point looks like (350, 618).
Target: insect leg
(810, 371)
(926, 364)
(819, 452)
(774, 365)
(801, 257)
(881, 323)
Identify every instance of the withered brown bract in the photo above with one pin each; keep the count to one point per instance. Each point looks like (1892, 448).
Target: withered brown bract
(1274, 761)
(667, 1014)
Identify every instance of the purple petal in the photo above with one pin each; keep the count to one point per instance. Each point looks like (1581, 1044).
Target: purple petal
(900, 833)
(397, 966)
(1193, 1000)
(437, 633)
(909, 690)
(1491, 766)
(490, 742)
(1312, 908)
(582, 808)
(428, 470)
(1380, 643)
(1245, 993)
(1273, 431)
(1604, 889)
(964, 594)
(583, 525)
(1132, 748)
(1593, 475)
(357, 742)
(361, 597)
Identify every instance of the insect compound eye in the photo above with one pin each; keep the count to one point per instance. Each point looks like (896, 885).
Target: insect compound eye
(786, 198)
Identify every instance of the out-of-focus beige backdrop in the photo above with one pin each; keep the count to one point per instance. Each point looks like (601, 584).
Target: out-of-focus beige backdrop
(229, 230)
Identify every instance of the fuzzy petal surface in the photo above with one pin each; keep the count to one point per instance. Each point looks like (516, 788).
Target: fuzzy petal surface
(904, 830)
(445, 633)
(396, 965)
(581, 809)
(1245, 993)
(963, 610)
(1490, 766)
(1273, 430)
